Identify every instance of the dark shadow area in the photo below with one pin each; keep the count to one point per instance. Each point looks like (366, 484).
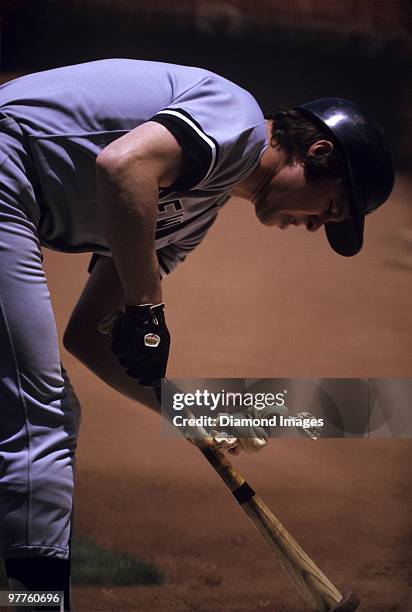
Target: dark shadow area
(279, 66)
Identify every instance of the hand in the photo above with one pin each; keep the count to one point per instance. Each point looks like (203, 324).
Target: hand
(140, 341)
(250, 437)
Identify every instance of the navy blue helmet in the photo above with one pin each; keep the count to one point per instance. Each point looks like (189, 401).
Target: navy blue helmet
(366, 160)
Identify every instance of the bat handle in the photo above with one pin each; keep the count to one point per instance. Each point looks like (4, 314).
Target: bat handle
(350, 601)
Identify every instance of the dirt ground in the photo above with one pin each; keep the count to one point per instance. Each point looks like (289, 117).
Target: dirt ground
(256, 302)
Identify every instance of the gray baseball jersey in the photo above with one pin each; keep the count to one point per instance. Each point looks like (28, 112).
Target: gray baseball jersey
(70, 114)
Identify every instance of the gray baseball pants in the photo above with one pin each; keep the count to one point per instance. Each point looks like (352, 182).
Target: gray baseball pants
(39, 412)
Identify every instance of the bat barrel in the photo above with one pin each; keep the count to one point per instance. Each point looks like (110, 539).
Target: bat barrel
(315, 588)
(312, 584)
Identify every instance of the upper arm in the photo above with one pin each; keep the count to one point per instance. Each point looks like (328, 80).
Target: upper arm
(150, 148)
(221, 130)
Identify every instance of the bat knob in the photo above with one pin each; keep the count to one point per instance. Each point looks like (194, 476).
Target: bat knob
(350, 601)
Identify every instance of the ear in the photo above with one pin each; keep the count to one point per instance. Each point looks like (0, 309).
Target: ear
(320, 148)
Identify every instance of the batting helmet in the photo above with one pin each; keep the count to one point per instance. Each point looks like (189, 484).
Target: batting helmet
(366, 161)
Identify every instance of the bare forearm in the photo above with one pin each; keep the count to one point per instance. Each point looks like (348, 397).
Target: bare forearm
(129, 173)
(96, 355)
(102, 295)
(128, 209)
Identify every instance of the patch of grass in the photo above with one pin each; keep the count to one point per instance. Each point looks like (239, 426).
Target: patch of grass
(93, 565)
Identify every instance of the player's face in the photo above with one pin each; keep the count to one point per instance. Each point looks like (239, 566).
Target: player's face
(289, 199)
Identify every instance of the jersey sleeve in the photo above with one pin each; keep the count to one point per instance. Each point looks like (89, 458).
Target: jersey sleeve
(220, 128)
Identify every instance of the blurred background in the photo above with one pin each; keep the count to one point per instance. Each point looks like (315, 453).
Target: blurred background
(283, 52)
(255, 303)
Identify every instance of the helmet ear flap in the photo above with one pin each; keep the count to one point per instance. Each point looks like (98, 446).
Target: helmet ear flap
(367, 164)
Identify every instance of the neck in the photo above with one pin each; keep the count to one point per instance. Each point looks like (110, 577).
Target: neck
(271, 161)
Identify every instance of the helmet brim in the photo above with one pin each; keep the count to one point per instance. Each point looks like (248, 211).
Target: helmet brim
(366, 162)
(346, 237)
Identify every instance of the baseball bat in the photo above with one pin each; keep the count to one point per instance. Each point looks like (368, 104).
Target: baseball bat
(313, 585)
(315, 588)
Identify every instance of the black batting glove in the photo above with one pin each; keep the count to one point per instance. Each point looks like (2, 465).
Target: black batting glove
(141, 341)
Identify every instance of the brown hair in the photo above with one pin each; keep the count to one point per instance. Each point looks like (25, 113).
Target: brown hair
(294, 134)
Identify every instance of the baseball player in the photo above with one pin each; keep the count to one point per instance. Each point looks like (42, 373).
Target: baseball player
(132, 160)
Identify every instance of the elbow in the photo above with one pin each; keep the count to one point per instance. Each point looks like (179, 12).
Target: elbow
(116, 161)
(76, 341)
(70, 341)
(109, 162)
(81, 341)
